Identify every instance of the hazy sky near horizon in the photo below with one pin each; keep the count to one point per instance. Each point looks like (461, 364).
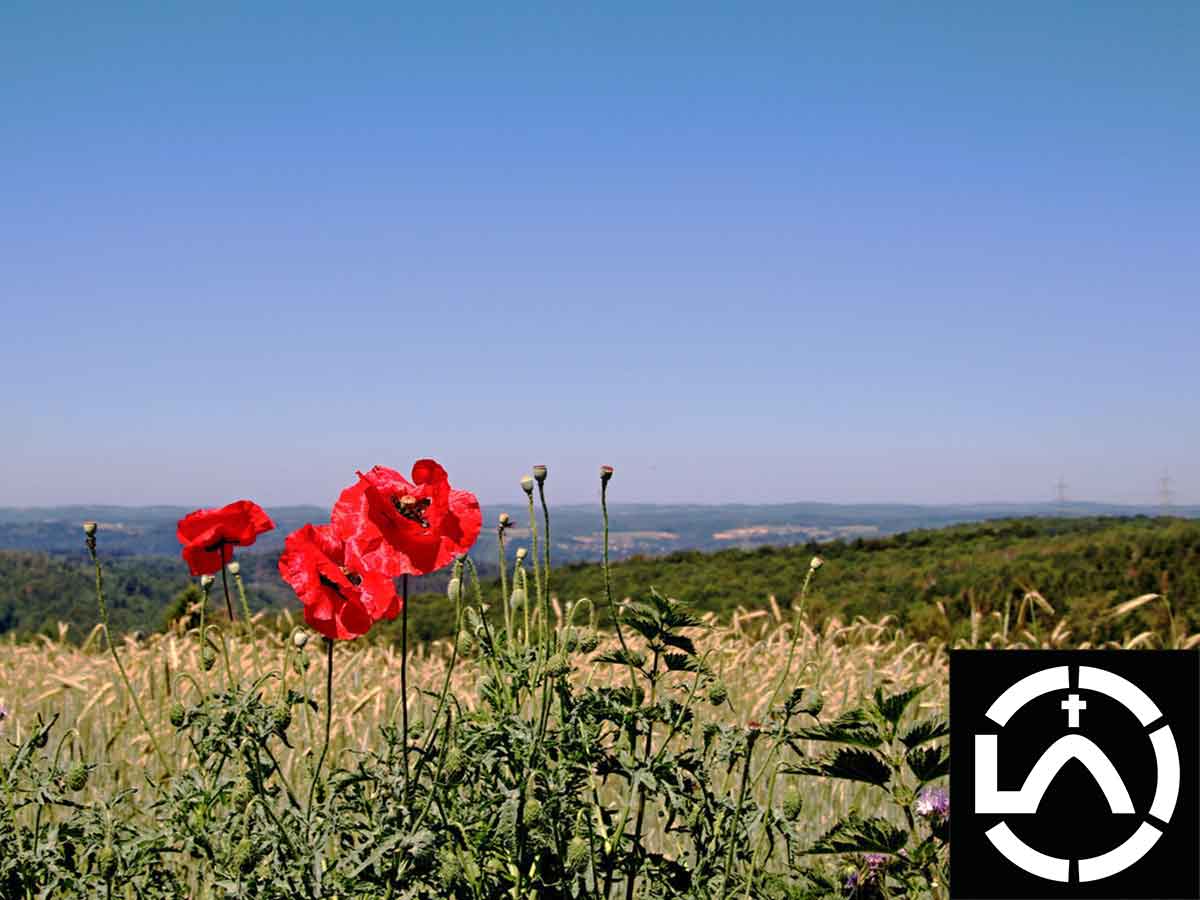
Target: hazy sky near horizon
(939, 252)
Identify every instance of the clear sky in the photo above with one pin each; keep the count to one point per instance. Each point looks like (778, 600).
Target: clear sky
(928, 252)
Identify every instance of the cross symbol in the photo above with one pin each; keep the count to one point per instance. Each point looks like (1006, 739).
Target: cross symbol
(1073, 705)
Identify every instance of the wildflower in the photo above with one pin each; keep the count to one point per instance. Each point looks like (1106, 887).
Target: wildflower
(206, 581)
(932, 803)
(539, 474)
(815, 563)
(396, 527)
(606, 472)
(339, 601)
(527, 484)
(505, 521)
(208, 536)
(89, 529)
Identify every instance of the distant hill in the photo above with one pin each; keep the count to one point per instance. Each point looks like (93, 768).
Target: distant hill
(929, 579)
(635, 528)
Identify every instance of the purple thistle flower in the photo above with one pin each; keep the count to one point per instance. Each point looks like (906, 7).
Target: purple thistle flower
(932, 803)
(875, 861)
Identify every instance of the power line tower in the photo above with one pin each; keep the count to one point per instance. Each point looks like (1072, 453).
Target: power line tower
(1060, 494)
(1164, 493)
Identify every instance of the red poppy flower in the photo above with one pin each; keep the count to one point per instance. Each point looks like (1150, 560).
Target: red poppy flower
(339, 602)
(209, 535)
(398, 527)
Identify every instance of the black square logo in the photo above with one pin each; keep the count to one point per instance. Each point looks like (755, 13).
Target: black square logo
(1074, 774)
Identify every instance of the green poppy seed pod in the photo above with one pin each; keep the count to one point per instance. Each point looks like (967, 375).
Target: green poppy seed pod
(606, 472)
(244, 857)
(505, 520)
(577, 853)
(533, 811)
(527, 484)
(454, 589)
(518, 598)
(299, 639)
(106, 862)
(234, 568)
(521, 553)
(178, 715)
(77, 778)
(206, 581)
(793, 804)
(540, 473)
(89, 528)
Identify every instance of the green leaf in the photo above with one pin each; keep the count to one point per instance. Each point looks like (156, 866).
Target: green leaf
(680, 642)
(893, 706)
(855, 726)
(928, 763)
(680, 662)
(620, 657)
(846, 762)
(856, 834)
(924, 731)
(805, 700)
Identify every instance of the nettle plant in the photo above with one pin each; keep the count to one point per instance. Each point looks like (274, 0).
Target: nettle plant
(646, 783)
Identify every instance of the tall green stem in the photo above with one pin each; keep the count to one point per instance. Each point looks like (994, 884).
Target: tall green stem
(91, 545)
(312, 790)
(404, 682)
(533, 538)
(225, 585)
(545, 538)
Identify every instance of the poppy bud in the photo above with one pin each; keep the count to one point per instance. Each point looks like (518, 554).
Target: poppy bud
(527, 485)
(533, 811)
(606, 472)
(521, 553)
(207, 659)
(505, 520)
(558, 666)
(234, 567)
(244, 857)
(718, 694)
(89, 528)
(793, 803)
(206, 581)
(540, 473)
(281, 719)
(816, 563)
(77, 777)
(589, 642)
(518, 598)
(299, 639)
(178, 715)
(106, 862)
(577, 853)
(454, 589)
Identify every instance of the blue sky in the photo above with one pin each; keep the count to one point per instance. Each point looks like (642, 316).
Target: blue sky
(742, 252)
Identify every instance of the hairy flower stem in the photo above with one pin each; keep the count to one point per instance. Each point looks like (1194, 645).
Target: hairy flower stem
(312, 790)
(641, 789)
(241, 589)
(225, 585)
(404, 682)
(545, 541)
(737, 814)
(504, 596)
(91, 545)
(533, 537)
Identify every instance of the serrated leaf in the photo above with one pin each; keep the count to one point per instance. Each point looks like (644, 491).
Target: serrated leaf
(928, 763)
(856, 834)
(806, 700)
(892, 707)
(924, 731)
(854, 726)
(621, 657)
(846, 762)
(680, 662)
(680, 642)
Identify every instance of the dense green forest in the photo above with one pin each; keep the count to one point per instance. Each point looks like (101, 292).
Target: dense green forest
(1082, 566)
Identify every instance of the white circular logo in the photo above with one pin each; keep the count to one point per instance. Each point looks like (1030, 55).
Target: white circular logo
(1074, 746)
